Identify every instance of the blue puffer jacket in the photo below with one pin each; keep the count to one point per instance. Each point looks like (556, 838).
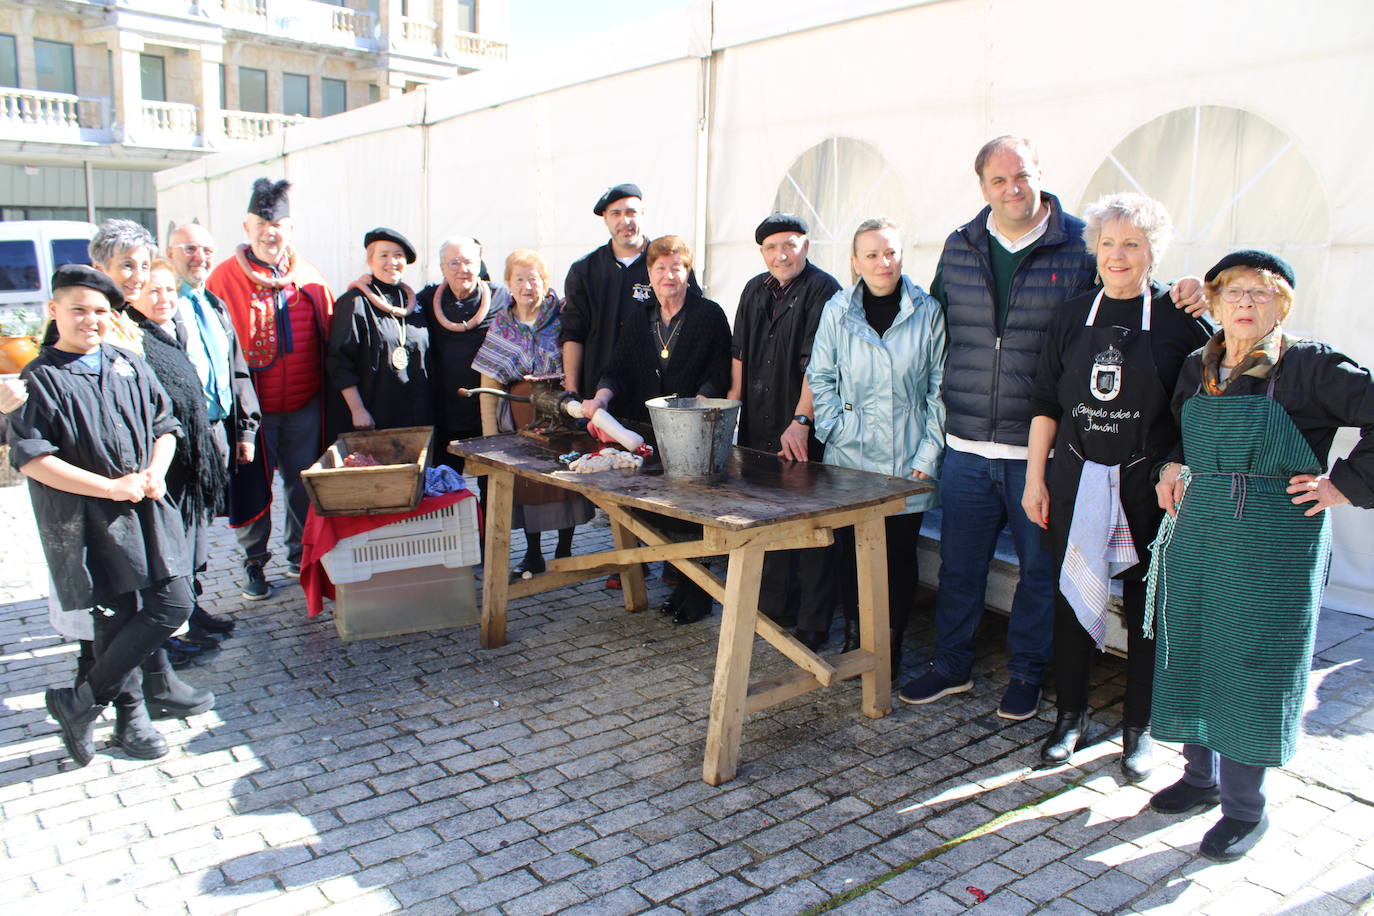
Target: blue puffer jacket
(988, 379)
(877, 400)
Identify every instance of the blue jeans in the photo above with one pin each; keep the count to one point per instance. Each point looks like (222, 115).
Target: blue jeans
(978, 497)
(293, 444)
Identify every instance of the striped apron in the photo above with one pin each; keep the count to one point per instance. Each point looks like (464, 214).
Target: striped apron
(1236, 582)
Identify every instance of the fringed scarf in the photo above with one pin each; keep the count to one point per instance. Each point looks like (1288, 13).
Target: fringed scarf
(198, 461)
(513, 350)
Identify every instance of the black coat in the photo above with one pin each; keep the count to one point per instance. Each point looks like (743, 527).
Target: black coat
(774, 352)
(105, 422)
(599, 292)
(451, 353)
(699, 364)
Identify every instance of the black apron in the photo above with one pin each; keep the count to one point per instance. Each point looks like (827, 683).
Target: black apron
(1111, 394)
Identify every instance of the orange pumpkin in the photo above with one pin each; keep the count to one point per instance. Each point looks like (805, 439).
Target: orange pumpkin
(16, 353)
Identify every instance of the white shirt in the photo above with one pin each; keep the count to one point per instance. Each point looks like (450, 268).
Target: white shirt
(1025, 241)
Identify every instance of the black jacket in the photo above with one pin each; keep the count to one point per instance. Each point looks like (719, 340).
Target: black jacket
(774, 352)
(599, 292)
(1322, 390)
(700, 361)
(989, 380)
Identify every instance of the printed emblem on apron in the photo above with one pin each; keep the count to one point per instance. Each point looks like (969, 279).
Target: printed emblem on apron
(1106, 374)
(641, 292)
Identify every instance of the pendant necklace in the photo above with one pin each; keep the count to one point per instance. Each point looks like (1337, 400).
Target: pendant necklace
(665, 345)
(400, 359)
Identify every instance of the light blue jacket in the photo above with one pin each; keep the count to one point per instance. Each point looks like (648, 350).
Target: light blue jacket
(877, 400)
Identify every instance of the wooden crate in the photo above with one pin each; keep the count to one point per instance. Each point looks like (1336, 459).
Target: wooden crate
(395, 485)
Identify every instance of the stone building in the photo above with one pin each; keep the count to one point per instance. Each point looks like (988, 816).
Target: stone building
(96, 96)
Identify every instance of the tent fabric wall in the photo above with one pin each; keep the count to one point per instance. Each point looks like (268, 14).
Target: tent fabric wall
(708, 109)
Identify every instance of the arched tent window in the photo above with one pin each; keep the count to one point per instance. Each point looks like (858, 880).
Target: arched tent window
(834, 186)
(1230, 179)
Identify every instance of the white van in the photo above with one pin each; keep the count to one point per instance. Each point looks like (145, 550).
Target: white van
(30, 250)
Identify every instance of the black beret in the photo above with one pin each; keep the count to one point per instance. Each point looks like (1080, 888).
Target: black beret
(618, 192)
(383, 234)
(1259, 260)
(269, 200)
(780, 222)
(81, 275)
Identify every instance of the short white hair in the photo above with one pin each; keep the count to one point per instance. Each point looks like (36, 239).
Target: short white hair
(1144, 213)
(460, 240)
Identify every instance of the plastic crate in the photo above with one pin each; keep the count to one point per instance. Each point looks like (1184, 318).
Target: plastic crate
(448, 537)
(406, 601)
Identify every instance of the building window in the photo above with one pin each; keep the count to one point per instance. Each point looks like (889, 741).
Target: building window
(467, 15)
(55, 62)
(153, 75)
(223, 88)
(9, 62)
(333, 97)
(295, 94)
(252, 89)
(374, 93)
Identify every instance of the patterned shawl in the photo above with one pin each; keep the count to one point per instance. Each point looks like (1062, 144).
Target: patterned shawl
(513, 350)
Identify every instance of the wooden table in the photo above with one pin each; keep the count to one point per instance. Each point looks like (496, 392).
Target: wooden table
(764, 504)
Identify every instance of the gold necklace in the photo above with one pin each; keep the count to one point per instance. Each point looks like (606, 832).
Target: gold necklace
(664, 346)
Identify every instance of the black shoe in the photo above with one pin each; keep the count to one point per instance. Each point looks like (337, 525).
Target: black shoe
(1065, 738)
(669, 606)
(1181, 797)
(135, 732)
(169, 697)
(255, 587)
(208, 622)
(1137, 753)
(692, 608)
(1230, 839)
(200, 639)
(293, 570)
(183, 655)
(814, 640)
(75, 710)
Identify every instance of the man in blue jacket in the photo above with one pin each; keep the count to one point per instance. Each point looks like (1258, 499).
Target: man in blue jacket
(1000, 279)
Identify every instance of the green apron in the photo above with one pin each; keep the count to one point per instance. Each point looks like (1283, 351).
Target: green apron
(1237, 584)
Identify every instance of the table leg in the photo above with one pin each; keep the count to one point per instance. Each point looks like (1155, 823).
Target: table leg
(631, 577)
(496, 568)
(875, 628)
(732, 665)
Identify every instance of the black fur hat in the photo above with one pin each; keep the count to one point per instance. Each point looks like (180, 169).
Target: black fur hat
(269, 199)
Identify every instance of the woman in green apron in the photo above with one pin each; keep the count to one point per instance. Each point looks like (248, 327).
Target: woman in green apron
(1102, 394)
(1236, 579)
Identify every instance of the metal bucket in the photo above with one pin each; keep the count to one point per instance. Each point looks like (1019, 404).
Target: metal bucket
(694, 436)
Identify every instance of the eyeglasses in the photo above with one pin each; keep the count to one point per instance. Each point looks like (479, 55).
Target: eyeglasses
(456, 264)
(190, 250)
(1259, 295)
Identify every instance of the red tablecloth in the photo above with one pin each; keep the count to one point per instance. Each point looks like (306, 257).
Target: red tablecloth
(323, 532)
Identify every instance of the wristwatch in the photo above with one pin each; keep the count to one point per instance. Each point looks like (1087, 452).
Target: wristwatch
(802, 419)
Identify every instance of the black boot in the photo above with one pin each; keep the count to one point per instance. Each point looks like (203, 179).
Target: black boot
(564, 548)
(75, 710)
(814, 640)
(135, 732)
(1137, 753)
(169, 697)
(1066, 737)
(209, 623)
(851, 635)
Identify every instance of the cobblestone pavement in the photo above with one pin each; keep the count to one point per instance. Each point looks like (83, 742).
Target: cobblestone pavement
(560, 773)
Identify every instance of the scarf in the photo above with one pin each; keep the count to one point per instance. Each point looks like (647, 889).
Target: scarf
(287, 268)
(1257, 363)
(198, 462)
(513, 350)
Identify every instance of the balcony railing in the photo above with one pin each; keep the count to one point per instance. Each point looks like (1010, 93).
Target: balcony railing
(299, 20)
(474, 45)
(420, 34)
(253, 125)
(172, 121)
(54, 116)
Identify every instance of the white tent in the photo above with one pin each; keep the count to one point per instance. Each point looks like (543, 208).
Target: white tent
(1247, 122)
